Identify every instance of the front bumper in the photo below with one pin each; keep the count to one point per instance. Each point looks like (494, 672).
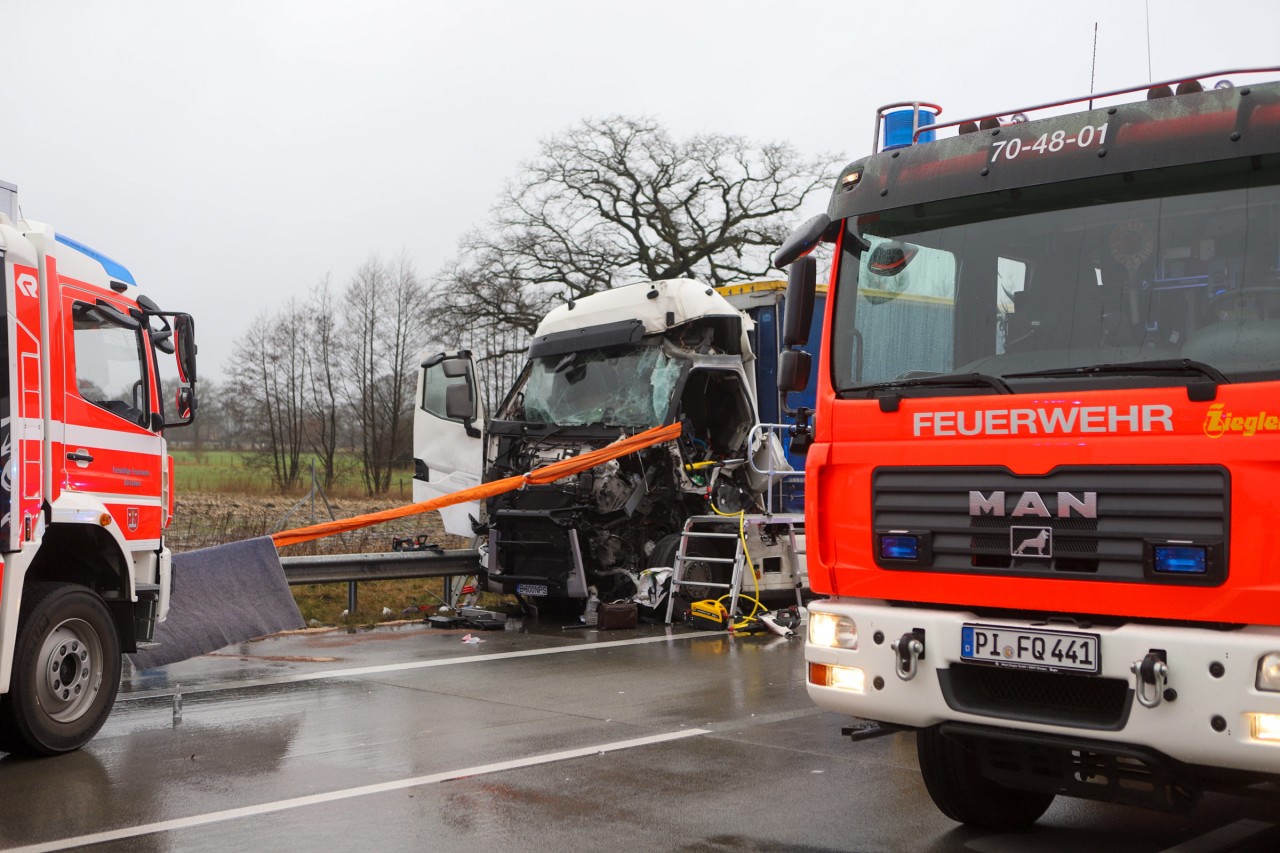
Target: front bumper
(1204, 715)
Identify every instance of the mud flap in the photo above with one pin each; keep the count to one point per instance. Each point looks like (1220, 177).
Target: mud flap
(221, 596)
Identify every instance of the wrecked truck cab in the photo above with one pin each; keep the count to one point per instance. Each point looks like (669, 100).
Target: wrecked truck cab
(599, 369)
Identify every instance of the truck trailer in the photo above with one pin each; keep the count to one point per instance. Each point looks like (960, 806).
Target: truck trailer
(1040, 500)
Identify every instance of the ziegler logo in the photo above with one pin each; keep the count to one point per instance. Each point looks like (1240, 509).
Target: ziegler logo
(1218, 423)
(1084, 505)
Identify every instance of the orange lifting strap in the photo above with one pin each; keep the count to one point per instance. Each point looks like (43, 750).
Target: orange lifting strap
(539, 476)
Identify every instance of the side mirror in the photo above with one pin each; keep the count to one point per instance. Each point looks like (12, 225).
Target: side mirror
(184, 331)
(454, 367)
(802, 282)
(458, 402)
(802, 241)
(184, 407)
(793, 370)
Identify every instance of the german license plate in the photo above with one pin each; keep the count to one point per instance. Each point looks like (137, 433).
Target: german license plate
(531, 589)
(1030, 648)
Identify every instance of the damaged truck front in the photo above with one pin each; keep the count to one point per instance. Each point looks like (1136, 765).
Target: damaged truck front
(601, 368)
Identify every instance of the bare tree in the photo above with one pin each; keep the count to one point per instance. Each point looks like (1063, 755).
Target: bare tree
(617, 200)
(269, 368)
(324, 392)
(385, 327)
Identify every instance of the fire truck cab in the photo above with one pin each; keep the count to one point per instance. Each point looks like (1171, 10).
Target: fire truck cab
(87, 485)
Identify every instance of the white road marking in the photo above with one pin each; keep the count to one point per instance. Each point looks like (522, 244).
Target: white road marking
(347, 794)
(421, 664)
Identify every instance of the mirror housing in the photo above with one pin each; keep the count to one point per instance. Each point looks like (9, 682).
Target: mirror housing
(184, 332)
(184, 407)
(459, 405)
(802, 283)
(454, 367)
(793, 370)
(803, 240)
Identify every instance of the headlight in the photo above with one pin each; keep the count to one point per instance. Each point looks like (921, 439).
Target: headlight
(831, 631)
(1269, 672)
(1265, 727)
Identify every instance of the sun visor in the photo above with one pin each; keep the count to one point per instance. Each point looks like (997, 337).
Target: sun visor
(590, 337)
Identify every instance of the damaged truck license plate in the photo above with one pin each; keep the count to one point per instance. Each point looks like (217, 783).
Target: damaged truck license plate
(1030, 648)
(531, 589)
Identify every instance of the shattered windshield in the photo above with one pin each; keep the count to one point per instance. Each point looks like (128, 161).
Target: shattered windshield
(1175, 265)
(624, 386)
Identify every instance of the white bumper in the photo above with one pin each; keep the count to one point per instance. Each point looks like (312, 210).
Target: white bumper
(1209, 720)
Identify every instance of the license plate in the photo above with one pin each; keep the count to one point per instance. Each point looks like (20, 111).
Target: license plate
(531, 589)
(1030, 648)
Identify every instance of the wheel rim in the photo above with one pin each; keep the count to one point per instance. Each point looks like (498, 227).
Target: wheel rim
(71, 670)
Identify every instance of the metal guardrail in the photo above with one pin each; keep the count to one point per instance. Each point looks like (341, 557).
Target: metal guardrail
(395, 565)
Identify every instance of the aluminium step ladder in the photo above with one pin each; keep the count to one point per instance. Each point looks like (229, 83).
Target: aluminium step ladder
(692, 532)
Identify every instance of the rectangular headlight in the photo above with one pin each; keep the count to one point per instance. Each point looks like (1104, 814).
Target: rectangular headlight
(831, 631)
(849, 678)
(1269, 672)
(1265, 727)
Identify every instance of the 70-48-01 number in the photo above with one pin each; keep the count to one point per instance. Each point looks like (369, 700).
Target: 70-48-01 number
(1049, 142)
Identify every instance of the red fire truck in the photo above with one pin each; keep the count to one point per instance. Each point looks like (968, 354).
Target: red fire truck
(86, 485)
(1041, 490)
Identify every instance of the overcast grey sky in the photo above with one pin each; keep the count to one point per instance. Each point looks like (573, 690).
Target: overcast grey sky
(231, 153)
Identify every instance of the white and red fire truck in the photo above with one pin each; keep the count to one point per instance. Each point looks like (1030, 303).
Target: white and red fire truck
(86, 483)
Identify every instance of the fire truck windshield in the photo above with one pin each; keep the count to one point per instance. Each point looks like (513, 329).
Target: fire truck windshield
(1159, 266)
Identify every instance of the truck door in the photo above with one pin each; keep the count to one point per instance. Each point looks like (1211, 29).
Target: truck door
(111, 444)
(447, 443)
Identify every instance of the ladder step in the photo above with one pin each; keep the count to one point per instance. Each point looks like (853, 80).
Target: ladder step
(694, 534)
(696, 559)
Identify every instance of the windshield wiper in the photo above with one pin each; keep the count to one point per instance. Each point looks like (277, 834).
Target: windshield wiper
(889, 402)
(1164, 367)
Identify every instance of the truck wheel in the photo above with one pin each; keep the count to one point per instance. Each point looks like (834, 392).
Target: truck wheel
(951, 775)
(66, 671)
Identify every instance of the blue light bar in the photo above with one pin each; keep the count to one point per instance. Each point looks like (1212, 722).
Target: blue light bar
(114, 269)
(1180, 559)
(898, 547)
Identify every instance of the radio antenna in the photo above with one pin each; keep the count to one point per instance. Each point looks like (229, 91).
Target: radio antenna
(1147, 4)
(1093, 68)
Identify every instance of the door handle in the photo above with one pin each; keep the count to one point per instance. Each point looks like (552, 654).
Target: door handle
(79, 457)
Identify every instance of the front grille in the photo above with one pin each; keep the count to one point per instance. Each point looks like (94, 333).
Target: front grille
(1054, 698)
(1135, 505)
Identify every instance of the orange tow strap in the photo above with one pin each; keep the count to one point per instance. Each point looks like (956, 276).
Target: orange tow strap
(538, 476)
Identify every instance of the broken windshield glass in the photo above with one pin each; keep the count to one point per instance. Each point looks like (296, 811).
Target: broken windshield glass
(623, 385)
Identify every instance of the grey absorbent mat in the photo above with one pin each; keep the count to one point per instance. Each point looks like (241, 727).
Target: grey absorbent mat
(221, 596)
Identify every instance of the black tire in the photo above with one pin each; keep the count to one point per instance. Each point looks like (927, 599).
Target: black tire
(664, 554)
(952, 776)
(66, 671)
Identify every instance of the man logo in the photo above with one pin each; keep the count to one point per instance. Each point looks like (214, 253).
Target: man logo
(1031, 542)
(133, 518)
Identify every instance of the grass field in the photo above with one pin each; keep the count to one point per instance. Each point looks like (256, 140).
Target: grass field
(232, 471)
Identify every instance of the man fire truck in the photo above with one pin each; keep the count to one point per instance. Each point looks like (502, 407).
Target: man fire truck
(1041, 493)
(87, 485)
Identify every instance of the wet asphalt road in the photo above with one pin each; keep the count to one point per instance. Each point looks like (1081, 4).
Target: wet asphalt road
(536, 739)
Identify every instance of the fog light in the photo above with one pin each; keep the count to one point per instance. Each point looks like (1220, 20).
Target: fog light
(899, 546)
(1180, 559)
(1265, 727)
(1269, 672)
(832, 631)
(850, 678)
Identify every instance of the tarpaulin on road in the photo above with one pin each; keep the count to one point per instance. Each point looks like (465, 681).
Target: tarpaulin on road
(221, 596)
(539, 476)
